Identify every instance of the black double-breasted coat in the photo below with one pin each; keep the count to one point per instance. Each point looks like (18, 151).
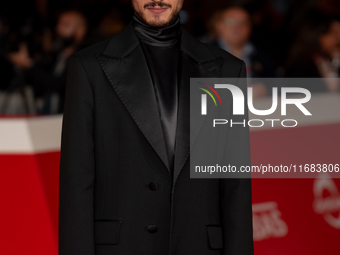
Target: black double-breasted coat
(116, 193)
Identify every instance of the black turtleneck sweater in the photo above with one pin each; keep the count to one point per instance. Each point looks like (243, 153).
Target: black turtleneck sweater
(161, 49)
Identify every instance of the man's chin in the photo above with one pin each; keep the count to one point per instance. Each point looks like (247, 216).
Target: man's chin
(158, 20)
(157, 23)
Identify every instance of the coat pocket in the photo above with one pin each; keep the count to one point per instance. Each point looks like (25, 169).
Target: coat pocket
(106, 231)
(215, 236)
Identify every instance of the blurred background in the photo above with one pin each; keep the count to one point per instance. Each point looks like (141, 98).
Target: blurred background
(275, 38)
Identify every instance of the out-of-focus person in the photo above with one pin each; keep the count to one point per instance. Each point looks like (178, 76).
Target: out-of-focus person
(316, 54)
(232, 29)
(7, 72)
(48, 74)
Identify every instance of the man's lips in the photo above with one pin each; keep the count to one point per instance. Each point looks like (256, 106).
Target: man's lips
(157, 10)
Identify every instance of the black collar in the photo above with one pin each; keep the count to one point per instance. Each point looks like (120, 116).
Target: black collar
(157, 36)
(122, 44)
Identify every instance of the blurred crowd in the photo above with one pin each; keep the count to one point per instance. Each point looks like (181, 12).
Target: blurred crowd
(275, 38)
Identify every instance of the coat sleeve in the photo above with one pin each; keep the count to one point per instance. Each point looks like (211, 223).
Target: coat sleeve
(236, 194)
(77, 165)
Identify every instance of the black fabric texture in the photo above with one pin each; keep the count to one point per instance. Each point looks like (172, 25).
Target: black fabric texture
(161, 50)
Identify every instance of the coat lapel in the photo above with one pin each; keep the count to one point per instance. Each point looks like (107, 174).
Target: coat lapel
(125, 66)
(195, 62)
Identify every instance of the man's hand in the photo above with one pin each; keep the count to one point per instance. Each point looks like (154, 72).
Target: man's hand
(21, 58)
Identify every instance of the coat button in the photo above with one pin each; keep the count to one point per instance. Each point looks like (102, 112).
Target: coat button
(153, 186)
(152, 228)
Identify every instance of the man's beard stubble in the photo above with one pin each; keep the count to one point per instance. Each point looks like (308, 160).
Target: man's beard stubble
(156, 22)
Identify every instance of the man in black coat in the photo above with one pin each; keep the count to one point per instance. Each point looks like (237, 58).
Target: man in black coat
(125, 185)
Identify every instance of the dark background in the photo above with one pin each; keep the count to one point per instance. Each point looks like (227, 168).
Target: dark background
(286, 32)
